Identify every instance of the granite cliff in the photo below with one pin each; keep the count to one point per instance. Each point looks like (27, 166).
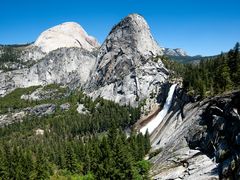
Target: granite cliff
(125, 71)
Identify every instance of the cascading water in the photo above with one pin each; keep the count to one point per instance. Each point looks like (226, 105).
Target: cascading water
(153, 124)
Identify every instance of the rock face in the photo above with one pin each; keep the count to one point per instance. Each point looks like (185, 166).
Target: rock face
(18, 116)
(176, 160)
(31, 53)
(64, 54)
(70, 66)
(69, 34)
(198, 140)
(19, 57)
(219, 135)
(125, 71)
(174, 52)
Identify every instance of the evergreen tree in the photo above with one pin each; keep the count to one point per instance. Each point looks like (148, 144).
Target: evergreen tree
(224, 76)
(147, 144)
(71, 161)
(124, 161)
(42, 167)
(4, 173)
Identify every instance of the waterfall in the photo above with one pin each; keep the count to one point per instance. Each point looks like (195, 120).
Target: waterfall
(153, 124)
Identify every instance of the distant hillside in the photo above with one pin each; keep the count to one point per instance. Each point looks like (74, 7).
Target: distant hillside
(16, 45)
(190, 59)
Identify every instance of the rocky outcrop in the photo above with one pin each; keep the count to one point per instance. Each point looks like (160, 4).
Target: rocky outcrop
(39, 132)
(69, 34)
(125, 71)
(30, 54)
(41, 110)
(44, 93)
(81, 109)
(66, 66)
(65, 106)
(19, 115)
(19, 57)
(10, 118)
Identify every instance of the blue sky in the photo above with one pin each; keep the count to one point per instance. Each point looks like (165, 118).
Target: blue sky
(204, 27)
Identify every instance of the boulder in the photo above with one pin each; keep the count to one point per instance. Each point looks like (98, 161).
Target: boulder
(65, 107)
(39, 131)
(81, 109)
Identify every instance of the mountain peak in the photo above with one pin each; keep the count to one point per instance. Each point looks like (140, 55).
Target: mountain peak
(174, 52)
(124, 71)
(137, 18)
(181, 52)
(68, 34)
(134, 31)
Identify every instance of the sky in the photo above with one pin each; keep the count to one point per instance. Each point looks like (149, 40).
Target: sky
(200, 27)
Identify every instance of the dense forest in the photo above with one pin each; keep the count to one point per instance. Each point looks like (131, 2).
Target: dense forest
(73, 146)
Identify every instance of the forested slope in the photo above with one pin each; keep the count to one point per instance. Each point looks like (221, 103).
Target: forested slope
(210, 76)
(68, 144)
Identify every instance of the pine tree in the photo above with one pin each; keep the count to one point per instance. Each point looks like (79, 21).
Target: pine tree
(106, 159)
(71, 161)
(124, 161)
(223, 79)
(42, 167)
(147, 144)
(4, 174)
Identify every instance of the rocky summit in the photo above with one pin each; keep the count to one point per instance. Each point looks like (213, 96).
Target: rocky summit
(69, 34)
(125, 71)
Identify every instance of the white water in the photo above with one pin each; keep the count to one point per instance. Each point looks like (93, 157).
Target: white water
(153, 124)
